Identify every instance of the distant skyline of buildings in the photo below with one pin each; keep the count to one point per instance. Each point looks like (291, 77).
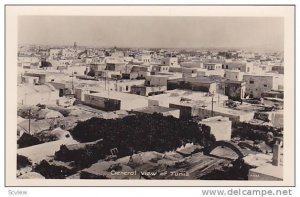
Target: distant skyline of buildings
(255, 33)
(246, 49)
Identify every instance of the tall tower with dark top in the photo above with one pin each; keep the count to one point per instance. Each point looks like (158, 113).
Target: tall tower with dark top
(75, 45)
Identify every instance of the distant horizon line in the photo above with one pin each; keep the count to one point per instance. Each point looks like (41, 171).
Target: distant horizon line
(147, 47)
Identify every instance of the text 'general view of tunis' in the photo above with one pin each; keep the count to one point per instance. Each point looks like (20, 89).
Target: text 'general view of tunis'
(189, 98)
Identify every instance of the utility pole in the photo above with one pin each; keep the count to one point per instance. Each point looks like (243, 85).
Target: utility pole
(104, 80)
(116, 89)
(29, 114)
(21, 77)
(107, 79)
(73, 83)
(212, 104)
(108, 88)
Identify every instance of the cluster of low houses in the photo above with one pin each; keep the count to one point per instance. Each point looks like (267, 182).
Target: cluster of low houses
(109, 94)
(108, 82)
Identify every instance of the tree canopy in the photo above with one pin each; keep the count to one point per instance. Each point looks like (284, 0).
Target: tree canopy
(142, 132)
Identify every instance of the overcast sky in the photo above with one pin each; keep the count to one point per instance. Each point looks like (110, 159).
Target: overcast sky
(164, 32)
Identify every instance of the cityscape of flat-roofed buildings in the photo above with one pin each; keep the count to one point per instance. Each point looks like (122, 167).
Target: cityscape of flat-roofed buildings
(229, 91)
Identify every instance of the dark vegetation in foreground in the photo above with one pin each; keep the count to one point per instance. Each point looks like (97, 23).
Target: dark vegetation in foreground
(22, 162)
(142, 132)
(247, 131)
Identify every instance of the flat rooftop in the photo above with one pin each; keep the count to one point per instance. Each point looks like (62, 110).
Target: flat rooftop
(47, 150)
(41, 71)
(25, 76)
(233, 82)
(26, 89)
(262, 74)
(215, 119)
(153, 109)
(217, 108)
(195, 80)
(117, 95)
(189, 94)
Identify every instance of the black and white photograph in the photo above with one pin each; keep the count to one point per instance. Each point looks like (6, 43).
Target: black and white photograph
(162, 97)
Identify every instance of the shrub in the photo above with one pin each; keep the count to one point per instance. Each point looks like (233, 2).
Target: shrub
(143, 132)
(22, 161)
